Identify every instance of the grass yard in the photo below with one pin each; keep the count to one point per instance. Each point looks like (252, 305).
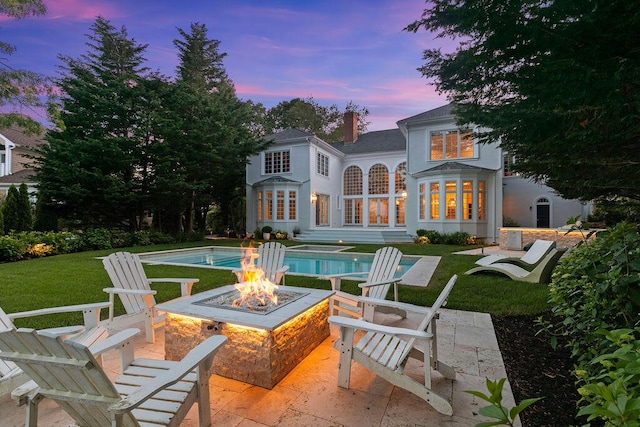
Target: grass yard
(79, 278)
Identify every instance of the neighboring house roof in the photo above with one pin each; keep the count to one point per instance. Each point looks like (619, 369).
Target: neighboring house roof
(18, 137)
(25, 175)
(450, 166)
(374, 142)
(436, 113)
(287, 134)
(276, 180)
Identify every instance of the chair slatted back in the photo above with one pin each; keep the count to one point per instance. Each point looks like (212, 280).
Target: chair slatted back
(66, 372)
(126, 272)
(537, 251)
(5, 325)
(384, 266)
(271, 259)
(392, 351)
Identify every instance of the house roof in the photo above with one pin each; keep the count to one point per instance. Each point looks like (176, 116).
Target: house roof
(450, 166)
(18, 137)
(374, 142)
(436, 113)
(25, 175)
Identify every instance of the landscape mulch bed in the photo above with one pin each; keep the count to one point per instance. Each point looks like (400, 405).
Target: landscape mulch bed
(535, 369)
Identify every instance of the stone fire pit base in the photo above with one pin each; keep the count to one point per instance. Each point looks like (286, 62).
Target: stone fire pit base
(255, 356)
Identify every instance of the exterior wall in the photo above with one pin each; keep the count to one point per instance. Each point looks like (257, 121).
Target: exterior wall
(486, 165)
(519, 204)
(329, 185)
(530, 235)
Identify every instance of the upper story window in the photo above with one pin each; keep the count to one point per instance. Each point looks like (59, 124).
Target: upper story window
(378, 179)
(507, 162)
(451, 144)
(277, 162)
(322, 164)
(352, 181)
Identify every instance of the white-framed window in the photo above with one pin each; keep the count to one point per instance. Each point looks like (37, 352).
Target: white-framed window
(423, 200)
(280, 205)
(482, 197)
(450, 199)
(378, 179)
(277, 162)
(322, 164)
(434, 200)
(293, 205)
(467, 200)
(352, 181)
(451, 144)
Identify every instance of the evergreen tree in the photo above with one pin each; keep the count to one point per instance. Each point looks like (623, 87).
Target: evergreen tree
(207, 141)
(1, 219)
(45, 218)
(11, 210)
(96, 164)
(25, 209)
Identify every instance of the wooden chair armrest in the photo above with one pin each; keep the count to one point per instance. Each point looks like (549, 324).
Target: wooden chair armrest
(341, 275)
(371, 284)
(283, 269)
(129, 291)
(118, 340)
(185, 284)
(179, 370)
(396, 304)
(363, 325)
(171, 280)
(61, 309)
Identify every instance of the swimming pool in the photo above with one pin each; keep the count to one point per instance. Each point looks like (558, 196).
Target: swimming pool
(303, 262)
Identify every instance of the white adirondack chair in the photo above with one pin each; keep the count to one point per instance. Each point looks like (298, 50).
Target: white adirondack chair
(377, 282)
(91, 333)
(131, 284)
(147, 392)
(270, 259)
(385, 350)
(530, 259)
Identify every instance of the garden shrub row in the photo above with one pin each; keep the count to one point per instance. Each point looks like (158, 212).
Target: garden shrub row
(34, 244)
(595, 296)
(434, 237)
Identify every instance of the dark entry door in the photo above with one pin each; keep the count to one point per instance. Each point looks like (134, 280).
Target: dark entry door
(542, 216)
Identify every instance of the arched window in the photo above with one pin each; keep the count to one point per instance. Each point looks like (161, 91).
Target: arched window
(352, 181)
(401, 178)
(378, 179)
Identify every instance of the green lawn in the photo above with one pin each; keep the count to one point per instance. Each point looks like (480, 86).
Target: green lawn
(79, 278)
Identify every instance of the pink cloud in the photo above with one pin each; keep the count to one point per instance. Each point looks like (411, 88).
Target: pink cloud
(81, 10)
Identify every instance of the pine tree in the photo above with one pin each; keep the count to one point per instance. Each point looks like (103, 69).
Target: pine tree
(96, 164)
(10, 210)
(25, 209)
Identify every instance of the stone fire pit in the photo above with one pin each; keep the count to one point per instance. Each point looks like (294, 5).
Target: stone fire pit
(264, 343)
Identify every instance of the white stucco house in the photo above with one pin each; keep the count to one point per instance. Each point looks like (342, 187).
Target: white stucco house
(383, 186)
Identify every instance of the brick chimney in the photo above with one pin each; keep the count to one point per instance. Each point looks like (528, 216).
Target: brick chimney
(350, 127)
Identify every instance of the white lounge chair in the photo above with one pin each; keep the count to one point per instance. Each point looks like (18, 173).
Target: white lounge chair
(540, 274)
(270, 259)
(530, 259)
(89, 334)
(131, 284)
(377, 282)
(148, 391)
(385, 350)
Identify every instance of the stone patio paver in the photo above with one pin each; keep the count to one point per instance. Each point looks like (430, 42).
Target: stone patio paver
(309, 394)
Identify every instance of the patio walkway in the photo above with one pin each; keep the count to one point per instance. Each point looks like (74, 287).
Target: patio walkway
(309, 395)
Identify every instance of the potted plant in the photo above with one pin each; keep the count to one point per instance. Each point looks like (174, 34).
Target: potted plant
(266, 232)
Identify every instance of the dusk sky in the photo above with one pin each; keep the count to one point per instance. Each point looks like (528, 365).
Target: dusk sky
(333, 51)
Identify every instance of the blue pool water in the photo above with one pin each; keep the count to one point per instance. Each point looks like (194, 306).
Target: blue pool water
(302, 262)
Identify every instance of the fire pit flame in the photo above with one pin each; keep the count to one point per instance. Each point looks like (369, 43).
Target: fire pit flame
(255, 289)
